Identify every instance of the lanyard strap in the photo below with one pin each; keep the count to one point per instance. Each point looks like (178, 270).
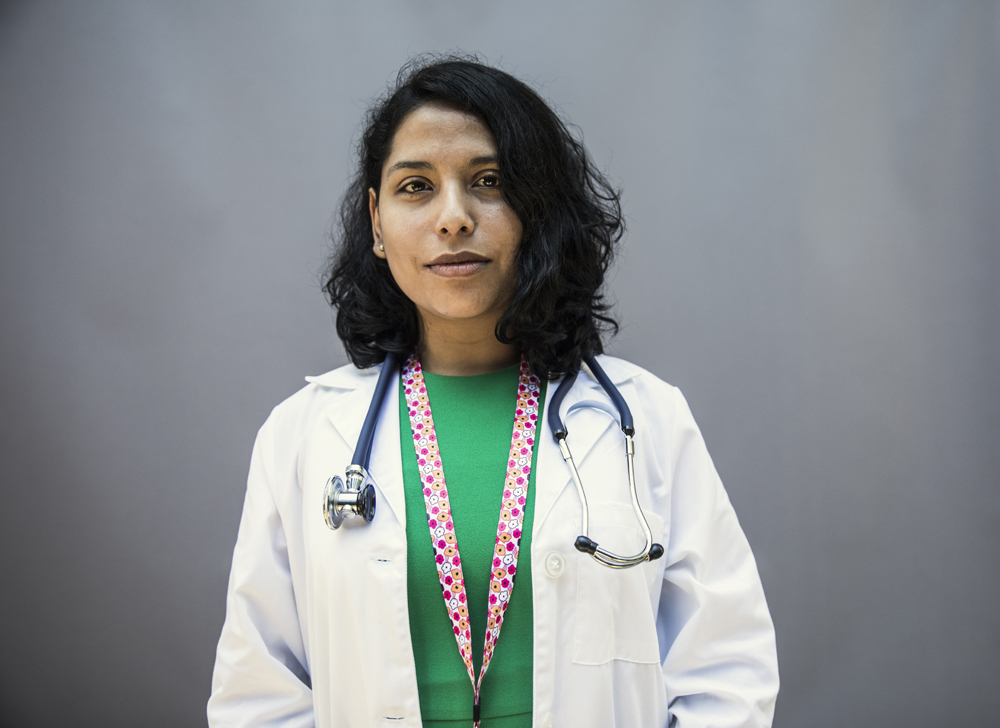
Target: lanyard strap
(442, 527)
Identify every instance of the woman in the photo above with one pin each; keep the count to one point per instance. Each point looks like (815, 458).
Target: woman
(474, 243)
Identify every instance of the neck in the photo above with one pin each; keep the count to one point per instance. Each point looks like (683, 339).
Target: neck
(463, 350)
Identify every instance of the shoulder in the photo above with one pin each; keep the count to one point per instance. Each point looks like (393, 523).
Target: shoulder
(662, 404)
(297, 414)
(647, 385)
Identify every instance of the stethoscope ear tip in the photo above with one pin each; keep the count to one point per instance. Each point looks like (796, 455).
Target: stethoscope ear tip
(587, 545)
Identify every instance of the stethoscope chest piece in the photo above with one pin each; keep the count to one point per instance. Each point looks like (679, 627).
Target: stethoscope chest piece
(354, 494)
(345, 498)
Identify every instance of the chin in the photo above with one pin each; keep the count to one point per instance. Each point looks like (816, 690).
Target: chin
(458, 316)
(463, 312)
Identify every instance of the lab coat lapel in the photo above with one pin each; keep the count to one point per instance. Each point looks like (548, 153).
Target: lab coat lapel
(386, 466)
(585, 429)
(346, 411)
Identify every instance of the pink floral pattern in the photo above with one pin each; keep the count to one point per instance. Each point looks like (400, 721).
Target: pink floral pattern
(439, 520)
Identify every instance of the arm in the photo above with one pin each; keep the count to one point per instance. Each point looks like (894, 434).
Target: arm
(720, 665)
(260, 677)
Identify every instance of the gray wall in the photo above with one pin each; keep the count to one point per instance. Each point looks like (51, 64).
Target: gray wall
(813, 193)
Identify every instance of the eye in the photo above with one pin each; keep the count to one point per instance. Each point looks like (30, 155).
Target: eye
(414, 186)
(490, 180)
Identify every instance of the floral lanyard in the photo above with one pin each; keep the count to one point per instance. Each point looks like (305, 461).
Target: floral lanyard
(442, 528)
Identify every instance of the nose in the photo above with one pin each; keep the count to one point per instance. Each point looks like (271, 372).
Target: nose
(456, 216)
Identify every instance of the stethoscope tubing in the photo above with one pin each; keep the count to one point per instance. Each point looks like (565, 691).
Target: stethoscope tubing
(363, 450)
(556, 423)
(560, 433)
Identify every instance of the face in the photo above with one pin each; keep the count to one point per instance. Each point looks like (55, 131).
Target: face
(448, 235)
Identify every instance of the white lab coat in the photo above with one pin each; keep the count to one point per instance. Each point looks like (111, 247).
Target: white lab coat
(317, 630)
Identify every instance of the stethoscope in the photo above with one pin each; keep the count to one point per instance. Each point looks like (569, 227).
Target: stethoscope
(354, 494)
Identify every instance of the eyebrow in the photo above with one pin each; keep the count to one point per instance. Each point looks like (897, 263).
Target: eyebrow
(413, 164)
(482, 161)
(406, 164)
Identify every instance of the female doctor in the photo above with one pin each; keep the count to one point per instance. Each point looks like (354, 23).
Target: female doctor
(473, 247)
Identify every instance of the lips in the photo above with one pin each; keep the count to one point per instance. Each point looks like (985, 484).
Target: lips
(458, 264)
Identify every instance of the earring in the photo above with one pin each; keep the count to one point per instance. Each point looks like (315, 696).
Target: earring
(382, 248)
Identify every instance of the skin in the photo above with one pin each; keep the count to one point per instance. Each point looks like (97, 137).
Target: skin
(449, 237)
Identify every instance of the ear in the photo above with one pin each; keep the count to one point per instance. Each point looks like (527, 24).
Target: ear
(377, 246)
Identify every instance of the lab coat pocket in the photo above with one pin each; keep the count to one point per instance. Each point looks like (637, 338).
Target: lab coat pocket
(616, 619)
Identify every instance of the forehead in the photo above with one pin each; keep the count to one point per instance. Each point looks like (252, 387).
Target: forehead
(434, 132)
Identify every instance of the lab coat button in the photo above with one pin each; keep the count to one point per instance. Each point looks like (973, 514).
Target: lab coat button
(555, 564)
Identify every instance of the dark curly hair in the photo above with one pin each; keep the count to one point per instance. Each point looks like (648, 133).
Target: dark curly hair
(571, 216)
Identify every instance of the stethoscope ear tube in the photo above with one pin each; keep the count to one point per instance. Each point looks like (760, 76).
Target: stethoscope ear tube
(584, 543)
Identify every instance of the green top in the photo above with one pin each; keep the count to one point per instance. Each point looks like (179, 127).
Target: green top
(473, 419)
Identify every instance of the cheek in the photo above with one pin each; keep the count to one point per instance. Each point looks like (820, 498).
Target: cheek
(508, 231)
(401, 228)
(404, 275)
(402, 242)
(514, 246)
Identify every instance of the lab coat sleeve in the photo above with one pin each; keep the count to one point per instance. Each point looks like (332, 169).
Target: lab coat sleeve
(261, 676)
(720, 661)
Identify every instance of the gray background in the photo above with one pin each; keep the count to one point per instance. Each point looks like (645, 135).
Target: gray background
(812, 191)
